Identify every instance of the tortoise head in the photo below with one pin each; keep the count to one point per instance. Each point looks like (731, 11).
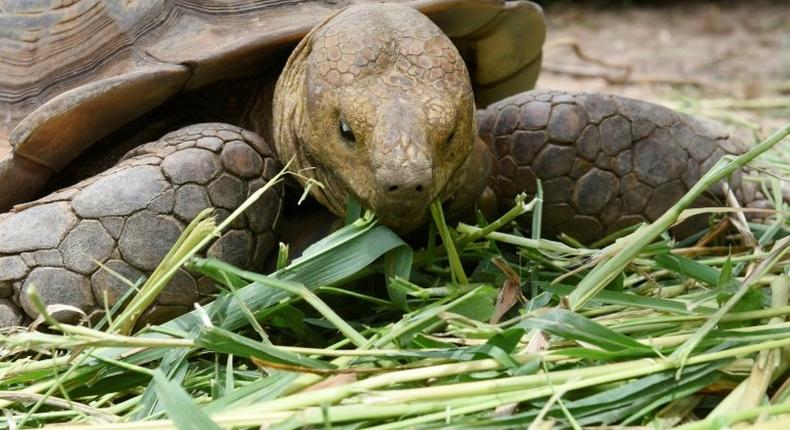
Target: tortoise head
(376, 104)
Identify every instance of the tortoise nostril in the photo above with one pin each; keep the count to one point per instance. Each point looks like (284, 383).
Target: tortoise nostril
(417, 188)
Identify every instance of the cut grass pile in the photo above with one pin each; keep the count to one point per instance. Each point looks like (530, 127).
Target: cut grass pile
(485, 327)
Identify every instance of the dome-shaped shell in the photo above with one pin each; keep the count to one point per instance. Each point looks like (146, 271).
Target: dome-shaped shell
(74, 71)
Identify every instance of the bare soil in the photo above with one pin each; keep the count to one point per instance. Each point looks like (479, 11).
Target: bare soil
(729, 60)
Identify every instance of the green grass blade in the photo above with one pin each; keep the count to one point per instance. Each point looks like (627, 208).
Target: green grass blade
(221, 340)
(180, 406)
(630, 247)
(573, 326)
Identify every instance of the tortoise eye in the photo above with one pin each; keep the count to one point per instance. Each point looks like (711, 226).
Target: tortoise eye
(346, 132)
(450, 139)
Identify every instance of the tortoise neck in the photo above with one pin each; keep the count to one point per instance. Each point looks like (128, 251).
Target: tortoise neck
(471, 185)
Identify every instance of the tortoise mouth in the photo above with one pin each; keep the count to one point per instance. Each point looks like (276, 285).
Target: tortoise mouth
(400, 215)
(402, 219)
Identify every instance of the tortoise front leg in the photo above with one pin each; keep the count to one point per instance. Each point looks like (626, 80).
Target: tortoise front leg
(129, 216)
(605, 162)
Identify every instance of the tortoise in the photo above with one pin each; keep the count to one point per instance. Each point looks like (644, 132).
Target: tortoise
(378, 102)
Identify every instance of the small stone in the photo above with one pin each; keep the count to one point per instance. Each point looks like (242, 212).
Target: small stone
(87, 244)
(103, 282)
(48, 257)
(38, 227)
(12, 268)
(164, 202)
(535, 115)
(58, 286)
(615, 134)
(120, 193)
(113, 225)
(181, 290)
(554, 161)
(241, 159)
(193, 165)
(594, 191)
(147, 238)
(211, 143)
(234, 247)
(566, 123)
(227, 191)
(10, 314)
(526, 144)
(190, 201)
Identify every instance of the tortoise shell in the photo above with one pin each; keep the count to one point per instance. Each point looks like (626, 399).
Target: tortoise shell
(73, 72)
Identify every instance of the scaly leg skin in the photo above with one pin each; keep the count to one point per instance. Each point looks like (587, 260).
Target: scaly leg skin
(605, 162)
(129, 216)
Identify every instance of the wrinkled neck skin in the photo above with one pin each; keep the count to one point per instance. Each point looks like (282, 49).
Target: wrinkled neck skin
(396, 132)
(289, 116)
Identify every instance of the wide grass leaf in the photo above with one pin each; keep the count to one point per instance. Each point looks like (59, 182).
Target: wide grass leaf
(500, 346)
(572, 326)
(688, 267)
(180, 406)
(221, 340)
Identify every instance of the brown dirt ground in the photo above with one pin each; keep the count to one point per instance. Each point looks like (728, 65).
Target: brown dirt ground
(708, 58)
